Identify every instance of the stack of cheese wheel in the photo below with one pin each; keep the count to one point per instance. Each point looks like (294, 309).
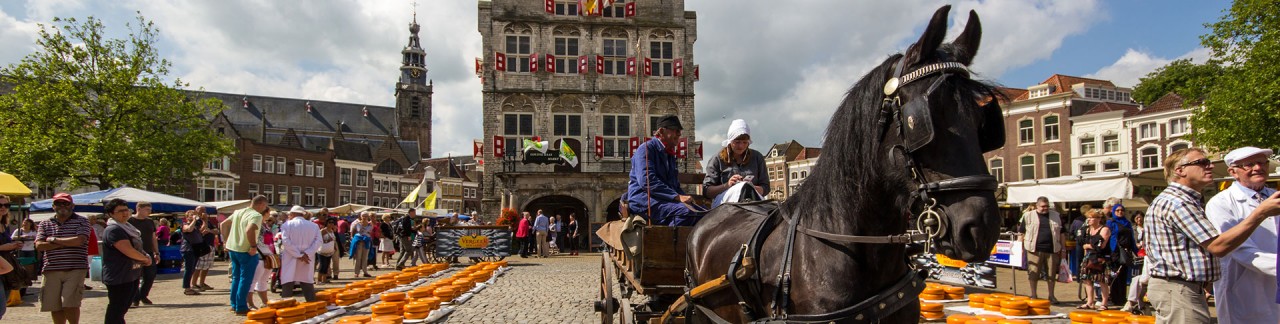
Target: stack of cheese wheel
(1013, 321)
(1082, 316)
(464, 283)
(291, 315)
(249, 321)
(355, 319)
(314, 308)
(388, 276)
(348, 297)
(418, 293)
(393, 296)
(954, 293)
(932, 293)
(960, 318)
(931, 311)
(420, 308)
(1014, 307)
(407, 278)
(1038, 307)
(1111, 317)
(445, 292)
(992, 302)
(989, 317)
(265, 314)
(387, 319)
(1142, 319)
(479, 277)
(387, 308)
(282, 303)
(329, 296)
(977, 300)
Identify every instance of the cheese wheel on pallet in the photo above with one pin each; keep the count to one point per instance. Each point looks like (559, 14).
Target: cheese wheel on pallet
(933, 291)
(932, 315)
(1038, 311)
(1013, 312)
(959, 318)
(1115, 313)
(994, 300)
(955, 296)
(1038, 303)
(989, 317)
(416, 316)
(249, 321)
(977, 297)
(979, 321)
(265, 313)
(1014, 304)
(387, 308)
(1013, 321)
(930, 307)
(414, 294)
(354, 319)
(392, 297)
(1085, 316)
(1142, 319)
(978, 305)
(290, 320)
(953, 290)
(1108, 320)
(418, 307)
(933, 296)
(991, 308)
(388, 318)
(291, 311)
(282, 303)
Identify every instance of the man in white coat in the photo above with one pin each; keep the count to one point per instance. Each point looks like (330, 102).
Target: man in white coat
(1246, 293)
(300, 242)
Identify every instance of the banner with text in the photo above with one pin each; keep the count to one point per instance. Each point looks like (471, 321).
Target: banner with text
(473, 241)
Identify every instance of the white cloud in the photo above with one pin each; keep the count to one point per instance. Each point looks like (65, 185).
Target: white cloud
(1136, 64)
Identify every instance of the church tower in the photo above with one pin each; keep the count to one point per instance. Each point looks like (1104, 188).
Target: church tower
(413, 93)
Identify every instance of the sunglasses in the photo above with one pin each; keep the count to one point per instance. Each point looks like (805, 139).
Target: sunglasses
(5, 205)
(1202, 162)
(62, 203)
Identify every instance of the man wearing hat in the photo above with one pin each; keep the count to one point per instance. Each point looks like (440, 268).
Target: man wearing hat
(654, 186)
(300, 240)
(1246, 292)
(64, 239)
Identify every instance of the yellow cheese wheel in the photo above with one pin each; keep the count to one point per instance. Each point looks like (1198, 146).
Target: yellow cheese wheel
(978, 305)
(1013, 321)
(418, 307)
(387, 308)
(389, 318)
(350, 294)
(290, 320)
(249, 321)
(959, 318)
(978, 297)
(955, 296)
(979, 321)
(1115, 313)
(930, 307)
(265, 313)
(932, 315)
(291, 311)
(1013, 312)
(1039, 311)
(933, 291)
(1084, 316)
(416, 316)
(991, 308)
(1107, 320)
(392, 296)
(282, 303)
(326, 295)
(1038, 303)
(933, 296)
(354, 319)
(953, 290)
(1002, 295)
(413, 294)
(994, 300)
(1142, 319)
(989, 317)
(1014, 304)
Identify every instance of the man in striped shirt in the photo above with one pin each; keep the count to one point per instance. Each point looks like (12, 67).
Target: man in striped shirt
(64, 241)
(1183, 245)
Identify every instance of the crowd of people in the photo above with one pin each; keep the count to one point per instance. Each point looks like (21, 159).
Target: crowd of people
(1178, 254)
(542, 235)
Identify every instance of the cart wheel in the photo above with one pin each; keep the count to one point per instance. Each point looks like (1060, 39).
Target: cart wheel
(607, 305)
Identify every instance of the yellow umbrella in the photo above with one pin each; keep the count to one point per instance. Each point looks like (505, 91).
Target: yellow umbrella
(9, 185)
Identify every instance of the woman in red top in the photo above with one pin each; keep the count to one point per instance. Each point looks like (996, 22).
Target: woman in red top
(523, 237)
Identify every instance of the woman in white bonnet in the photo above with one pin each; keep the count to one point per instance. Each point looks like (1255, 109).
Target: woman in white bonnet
(736, 163)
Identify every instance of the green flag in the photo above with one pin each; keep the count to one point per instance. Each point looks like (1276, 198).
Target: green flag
(568, 155)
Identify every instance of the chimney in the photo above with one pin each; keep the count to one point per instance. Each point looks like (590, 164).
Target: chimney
(308, 106)
(365, 111)
(245, 100)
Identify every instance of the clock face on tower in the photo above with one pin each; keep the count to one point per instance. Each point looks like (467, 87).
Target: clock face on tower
(415, 73)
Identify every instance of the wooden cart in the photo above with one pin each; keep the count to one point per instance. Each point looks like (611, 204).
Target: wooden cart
(653, 267)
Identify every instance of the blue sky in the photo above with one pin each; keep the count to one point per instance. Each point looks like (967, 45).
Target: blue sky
(783, 70)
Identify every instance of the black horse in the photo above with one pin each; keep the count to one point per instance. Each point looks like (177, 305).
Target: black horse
(908, 138)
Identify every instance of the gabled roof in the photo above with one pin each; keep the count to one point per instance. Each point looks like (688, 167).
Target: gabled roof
(809, 153)
(1112, 106)
(1062, 84)
(1010, 93)
(1171, 101)
(325, 116)
(352, 151)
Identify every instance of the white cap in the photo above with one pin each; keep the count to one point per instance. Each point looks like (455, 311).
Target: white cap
(737, 128)
(297, 210)
(1243, 153)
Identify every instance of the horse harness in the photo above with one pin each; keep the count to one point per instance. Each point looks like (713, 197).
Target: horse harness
(915, 127)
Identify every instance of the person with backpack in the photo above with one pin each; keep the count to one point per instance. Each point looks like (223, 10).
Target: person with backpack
(403, 228)
(1123, 248)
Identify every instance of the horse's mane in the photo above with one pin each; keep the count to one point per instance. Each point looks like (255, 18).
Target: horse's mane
(856, 177)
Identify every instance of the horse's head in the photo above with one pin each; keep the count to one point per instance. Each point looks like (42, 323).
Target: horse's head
(945, 122)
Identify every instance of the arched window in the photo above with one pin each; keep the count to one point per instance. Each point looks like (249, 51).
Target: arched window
(1027, 167)
(1149, 157)
(518, 40)
(389, 166)
(1026, 131)
(997, 169)
(1052, 165)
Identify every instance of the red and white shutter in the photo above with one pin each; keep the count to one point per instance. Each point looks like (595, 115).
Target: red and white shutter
(499, 147)
(682, 148)
(533, 62)
(500, 61)
(679, 67)
(551, 6)
(631, 9)
(582, 64)
(631, 66)
(551, 63)
(599, 64)
(695, 73)
(699, 151)
(648, 66)
(477, 148)
(635, 144)
(599, 147)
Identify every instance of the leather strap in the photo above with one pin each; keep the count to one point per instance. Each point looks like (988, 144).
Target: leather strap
(851, 239)
(969, 182)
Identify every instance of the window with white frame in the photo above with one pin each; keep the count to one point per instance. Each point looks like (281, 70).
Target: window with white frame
(1026, 131)
(220, 164)
(280, 165)
(566, 125)
(515, 127)
(282, 194)
(1027, 167)
(269, 191)
(319, 169)
(1052, 165)
(377, 185)
(1110, 143)
(997, 169)
(518, 53)
(1179, 126)
(269, 164)
(362, 197)
(298, 169)
(310, 168)
(1149, 157)
(614, 49)
(1148, 131)
(215, 189)
(1050, 128)
(1110, 166)
(344, 176)
(1088, 167)
(616, 130)
(322, 197)
(257, 163)
(344, 197)
(1088, 145)
(253, 190)
(566, 52)
(362, 178)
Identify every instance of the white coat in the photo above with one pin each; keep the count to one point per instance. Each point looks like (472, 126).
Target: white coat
(1246, 293)
(298, 237)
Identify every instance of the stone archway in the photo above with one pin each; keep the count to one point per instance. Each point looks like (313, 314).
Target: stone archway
(562, 205)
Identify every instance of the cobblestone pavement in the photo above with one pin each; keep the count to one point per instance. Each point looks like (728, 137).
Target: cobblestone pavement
(559, 289)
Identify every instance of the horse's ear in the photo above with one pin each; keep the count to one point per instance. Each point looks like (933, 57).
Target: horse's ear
(968, 41)
(933, 35)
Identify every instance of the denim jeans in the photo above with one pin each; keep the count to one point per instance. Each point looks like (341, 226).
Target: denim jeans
(189, 260)
(243, 266)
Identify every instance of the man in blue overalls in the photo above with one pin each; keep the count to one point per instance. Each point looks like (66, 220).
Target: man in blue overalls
(654, 187)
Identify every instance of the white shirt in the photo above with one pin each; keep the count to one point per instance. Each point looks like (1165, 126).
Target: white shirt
(1246, 293)
(299, 237)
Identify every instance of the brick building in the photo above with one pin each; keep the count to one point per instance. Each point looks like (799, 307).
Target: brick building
(596, 81)
(776, 162)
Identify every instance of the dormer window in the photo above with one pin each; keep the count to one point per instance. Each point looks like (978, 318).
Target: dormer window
(1039, 91)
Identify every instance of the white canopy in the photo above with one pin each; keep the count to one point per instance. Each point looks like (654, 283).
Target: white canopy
(1072, 189)
(231, 206)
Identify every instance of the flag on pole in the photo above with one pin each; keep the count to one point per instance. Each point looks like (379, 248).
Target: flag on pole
(567, 154)
(592, 6)
(430, 202)
(536, 145)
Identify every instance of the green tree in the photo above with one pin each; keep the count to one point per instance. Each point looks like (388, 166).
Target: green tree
(86, 110)
(1187, 79)
(1243, 105)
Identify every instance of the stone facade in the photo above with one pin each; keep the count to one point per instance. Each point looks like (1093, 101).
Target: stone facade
(578, 104)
